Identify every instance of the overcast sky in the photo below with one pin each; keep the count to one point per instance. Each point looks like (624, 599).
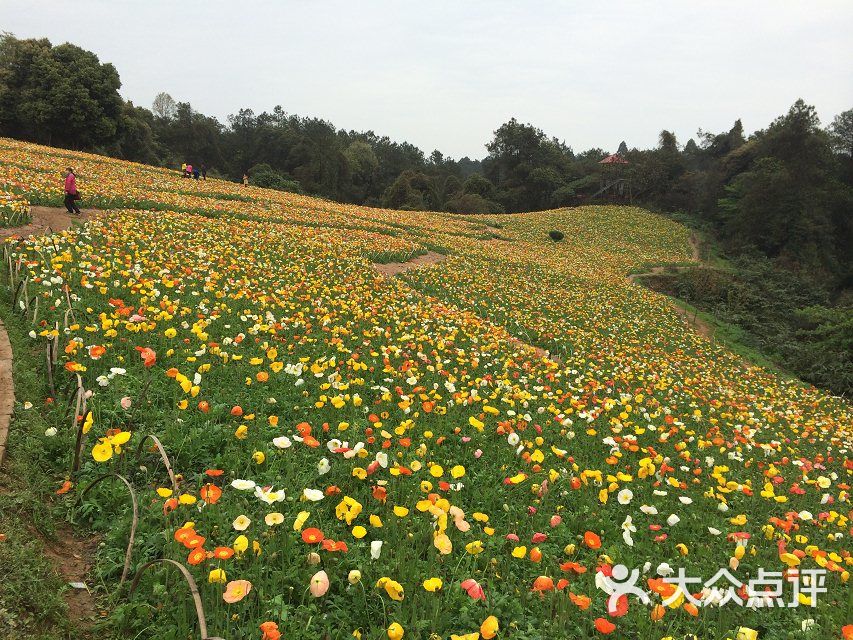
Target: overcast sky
(445, 75)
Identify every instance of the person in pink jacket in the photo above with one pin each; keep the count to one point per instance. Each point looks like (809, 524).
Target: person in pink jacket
(71, 193)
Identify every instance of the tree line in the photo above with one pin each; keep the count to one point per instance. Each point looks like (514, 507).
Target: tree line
(781, 196)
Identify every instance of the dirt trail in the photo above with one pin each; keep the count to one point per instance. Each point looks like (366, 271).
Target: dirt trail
(44, 219)
(391, 269)
(699, 325)
(71, 558)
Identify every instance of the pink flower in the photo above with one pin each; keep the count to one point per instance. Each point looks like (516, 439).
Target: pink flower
(126, 402)
(512, 536)
(473, 589)
(556, 520)
(466, 438)
(319, 584)
(539, 537)
(236, 590)
(531, 511)
(478, 453)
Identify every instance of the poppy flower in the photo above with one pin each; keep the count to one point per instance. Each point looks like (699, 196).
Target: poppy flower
(319, 584)
(210, 493)
(312, 535)
(473, 589)
(236, 590)
(270, 631)
(149, 357)
(591, 540)
(604, 626)
(542, 584)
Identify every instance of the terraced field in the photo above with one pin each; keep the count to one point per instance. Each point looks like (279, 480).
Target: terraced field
(465, 449)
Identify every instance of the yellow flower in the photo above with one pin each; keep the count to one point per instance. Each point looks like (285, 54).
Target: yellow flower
(395, 631)
(241, 544)
(474, 547)
(457, 471)
(217, 576)
(359, 532)
(301, 517)
(519, 552)
(259, 457)
(433, 584)
(401, 512)
(102, 451)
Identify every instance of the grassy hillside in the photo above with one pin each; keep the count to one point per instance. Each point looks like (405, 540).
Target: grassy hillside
(345, 443)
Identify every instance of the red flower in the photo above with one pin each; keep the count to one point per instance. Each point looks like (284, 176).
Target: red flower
(312, 535)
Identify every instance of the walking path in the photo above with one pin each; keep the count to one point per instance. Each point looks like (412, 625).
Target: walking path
(72, 558)
(391, 269)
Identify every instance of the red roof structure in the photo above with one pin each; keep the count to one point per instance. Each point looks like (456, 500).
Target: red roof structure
(613, 159)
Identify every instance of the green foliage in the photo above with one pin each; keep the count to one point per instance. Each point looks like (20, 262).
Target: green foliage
(263, 175)
(59, 95)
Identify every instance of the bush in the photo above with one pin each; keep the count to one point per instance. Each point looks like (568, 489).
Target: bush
(555, 235)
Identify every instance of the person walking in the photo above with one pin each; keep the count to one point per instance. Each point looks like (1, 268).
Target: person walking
(184, 170)
(245, 179)
(195, 172)
(189, 170)
(71, 193)
(203, 171)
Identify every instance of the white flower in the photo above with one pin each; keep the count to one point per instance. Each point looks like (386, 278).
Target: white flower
(50, 432)
(376, 549)
(282, 442)
(382, 459)
(805, 515)
(664, 569)
(673, 520)
(241, 523)
(268, 495)
(312, 495)
(28, 405)
(685, 500)
(627, 529)
(243, 485)
(513, 439)
(713, 531)
(649, 510)
(333, 444)
(625, 496)
(323, 466)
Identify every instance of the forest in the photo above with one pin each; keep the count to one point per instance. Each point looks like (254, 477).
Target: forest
(775, 208)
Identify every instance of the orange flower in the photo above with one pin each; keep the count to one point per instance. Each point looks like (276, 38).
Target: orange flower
(214, 473)
(236, 411)
(542, 584)
(183, 534)
(223, 553)
(591, 540)
(148, 355)
(604, 626)
(210, 493)
(197, 556)
(236, 590)
(65, 488)
(194, 541)
(96, 351)
(270, 630)
(204, 406)
(170, 505)
(312, 535)
(581, 601)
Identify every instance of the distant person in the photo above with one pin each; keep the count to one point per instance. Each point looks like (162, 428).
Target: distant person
(245, 179)
(71, 193)
(203, 171)
(189, 170)
(184, 170)
(196, 173)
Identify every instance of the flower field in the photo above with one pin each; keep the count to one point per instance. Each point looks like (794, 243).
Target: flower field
(464, 451)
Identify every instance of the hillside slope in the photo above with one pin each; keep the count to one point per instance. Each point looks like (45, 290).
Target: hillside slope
(324, 417)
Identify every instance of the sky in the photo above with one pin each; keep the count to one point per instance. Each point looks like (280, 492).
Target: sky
(445, 74)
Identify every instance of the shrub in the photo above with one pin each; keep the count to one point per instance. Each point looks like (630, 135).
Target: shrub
(555, 235)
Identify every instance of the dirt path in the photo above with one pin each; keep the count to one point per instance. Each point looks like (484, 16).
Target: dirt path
(391, 269)
(699, 325)
(71, 558)
(44, 219)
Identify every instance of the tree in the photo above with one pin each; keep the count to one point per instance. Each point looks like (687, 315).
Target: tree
(841, 132)
(59, 95)
(164, 106)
